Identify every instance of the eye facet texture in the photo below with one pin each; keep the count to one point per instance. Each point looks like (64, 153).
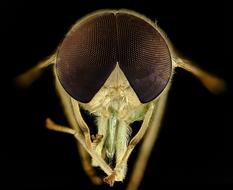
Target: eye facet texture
(91, 50)
(143, 56)
(87, 56)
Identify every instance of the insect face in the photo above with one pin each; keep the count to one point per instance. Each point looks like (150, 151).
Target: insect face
(117, 65)
(113, 63)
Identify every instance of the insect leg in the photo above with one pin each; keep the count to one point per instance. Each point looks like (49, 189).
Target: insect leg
(53, 126)
(86, 163)
(211, 82)
(71, 109)
(27, 78)
(147, 145)
(85, 158)
(82, 124)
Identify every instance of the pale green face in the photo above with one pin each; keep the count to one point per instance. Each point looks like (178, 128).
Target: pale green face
(115, 107)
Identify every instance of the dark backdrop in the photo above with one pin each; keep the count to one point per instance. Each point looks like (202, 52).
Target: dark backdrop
(195, 141)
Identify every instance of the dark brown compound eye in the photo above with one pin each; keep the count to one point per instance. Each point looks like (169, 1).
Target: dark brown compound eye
(87, 56)
(91, 50)
(144, 56)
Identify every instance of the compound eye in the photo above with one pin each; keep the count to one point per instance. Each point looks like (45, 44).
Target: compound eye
(143, 55)
(90, 51)
(87, 56)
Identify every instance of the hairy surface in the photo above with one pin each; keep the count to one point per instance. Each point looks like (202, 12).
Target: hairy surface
(116, 106)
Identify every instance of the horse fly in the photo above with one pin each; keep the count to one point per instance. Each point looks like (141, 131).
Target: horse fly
(117, 65)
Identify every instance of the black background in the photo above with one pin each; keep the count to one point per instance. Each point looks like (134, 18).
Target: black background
(195, 141)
